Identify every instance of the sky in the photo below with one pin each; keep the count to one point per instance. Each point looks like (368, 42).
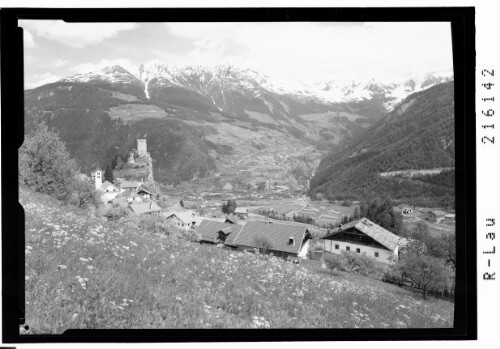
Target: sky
(285, 51)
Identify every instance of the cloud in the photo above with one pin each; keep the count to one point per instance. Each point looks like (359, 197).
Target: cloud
(29, 42)
(90, 67)
(76, 35)
(39, 80)
(56, 63)
(311, 51)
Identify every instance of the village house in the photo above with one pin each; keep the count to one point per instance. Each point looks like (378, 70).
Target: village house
(130, 196)
(362, 236)
(108, 191)
(149, 207)
(281, 240)
(186, 220)
(241, 212)
(144, 194)
(130, 185)
(231, 219)
(216, 232)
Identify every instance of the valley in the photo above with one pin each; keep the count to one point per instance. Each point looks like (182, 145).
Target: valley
(225, 132)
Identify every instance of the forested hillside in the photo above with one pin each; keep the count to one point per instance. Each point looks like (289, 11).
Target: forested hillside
(418, 134)
(80, 114)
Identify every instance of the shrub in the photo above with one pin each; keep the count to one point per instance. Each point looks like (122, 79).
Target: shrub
(418, 266)
(333, 261)
(115, 213)
(82, 192)
(359, 263)
(45, 164)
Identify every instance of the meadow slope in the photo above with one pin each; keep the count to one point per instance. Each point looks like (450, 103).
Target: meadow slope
(83, 272)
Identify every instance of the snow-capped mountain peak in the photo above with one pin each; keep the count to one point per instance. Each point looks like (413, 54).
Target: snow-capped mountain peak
(205, 80)
(112, 74)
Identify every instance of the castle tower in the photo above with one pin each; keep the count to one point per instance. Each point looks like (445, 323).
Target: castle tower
(142, 148)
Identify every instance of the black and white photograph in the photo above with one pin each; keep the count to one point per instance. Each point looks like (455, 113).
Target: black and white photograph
(193, 174)
(238, 175)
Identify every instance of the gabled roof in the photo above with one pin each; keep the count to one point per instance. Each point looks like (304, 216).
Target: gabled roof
(129, 184)
(144, 190)
(375, 231)
(277, 234)
(184, 217)
(232, 218)
(127, 194)
(208, 230)
(145, 207)
(107, 185)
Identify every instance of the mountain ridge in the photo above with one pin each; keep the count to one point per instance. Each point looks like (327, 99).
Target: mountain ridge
(233, 113)
(418, 134)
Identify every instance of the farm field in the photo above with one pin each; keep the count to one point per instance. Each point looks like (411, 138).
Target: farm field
(436, 230)
(325, 212)
(83, 272)
(322, 212)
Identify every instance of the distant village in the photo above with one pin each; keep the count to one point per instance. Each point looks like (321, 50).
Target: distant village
(245, 230)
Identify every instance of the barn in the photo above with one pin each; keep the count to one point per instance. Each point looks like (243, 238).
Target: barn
(216, 232)
(280, 239)
(362, 236)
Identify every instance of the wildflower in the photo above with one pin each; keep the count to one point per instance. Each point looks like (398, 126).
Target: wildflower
(26, 277)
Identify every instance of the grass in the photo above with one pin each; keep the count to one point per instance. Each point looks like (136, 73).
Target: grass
(83, 272)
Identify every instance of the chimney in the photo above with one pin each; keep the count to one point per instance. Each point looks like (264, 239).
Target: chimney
(291, 240)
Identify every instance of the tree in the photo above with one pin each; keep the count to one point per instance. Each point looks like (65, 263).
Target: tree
(45, 164)
(230, 206)
(108, 174)
(182, 203)
(119, 163)
(448, 248)
(381, 212)
(356, 214)
(345, 219)
(424, 271)
(332, 261)
(82, 192)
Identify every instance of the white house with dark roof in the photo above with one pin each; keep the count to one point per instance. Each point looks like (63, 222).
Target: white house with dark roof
(183, 219)
(364, 237)
(241, 212)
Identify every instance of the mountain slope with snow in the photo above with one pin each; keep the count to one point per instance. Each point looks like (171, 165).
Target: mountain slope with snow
(237, 115)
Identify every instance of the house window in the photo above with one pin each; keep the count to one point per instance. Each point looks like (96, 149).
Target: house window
(358, 250)
(337, 247)
(347, 248)
(376, 254)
